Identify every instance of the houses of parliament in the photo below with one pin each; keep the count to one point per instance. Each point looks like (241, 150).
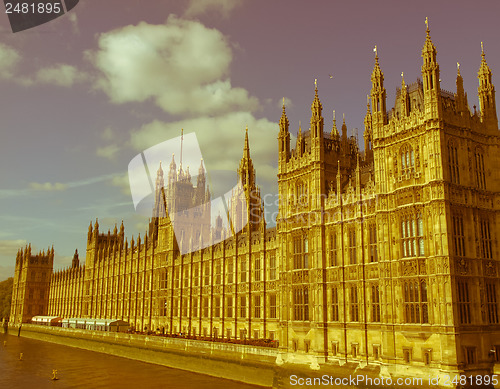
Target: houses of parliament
(388, 256)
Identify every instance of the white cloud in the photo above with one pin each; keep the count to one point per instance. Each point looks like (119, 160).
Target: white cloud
(9, 59)
(73, 19)
(122, 182)
(108, 152)
(48, 186)
(10, 247)
(60, 75)
(181, 65)
(198, 7)
(108, 134)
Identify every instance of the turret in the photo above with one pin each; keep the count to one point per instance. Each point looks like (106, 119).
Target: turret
(368, 134)
(486, 93)
(344, 131)
(316, 118)
(75, 263)
(378, 96)
(172, 172)
(335, 132)
(317, 123)
(461, 98)
(430, 76)
(404, 98)
(246, 171)
(200, 181)
(284, 139)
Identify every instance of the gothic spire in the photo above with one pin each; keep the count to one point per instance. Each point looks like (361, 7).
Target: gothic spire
(486, 92)
(246, 170)
(335, 131)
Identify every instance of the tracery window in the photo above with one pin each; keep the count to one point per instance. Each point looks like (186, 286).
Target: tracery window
(415, 302)
(301, 303)
(196, 274)
(256, 307)
(273, 306)
(256, 269)
(218, 272)
(300, 252)
(486, 244)
(372, 230)
(272, 265)
(243, 270)
(412, 236)
(163, 280)
(352, 246)
(206, 274)
(301, 192)
(243, 306)
(458, 234)
(229, 307)
(464, 313)
(453, 163)
(217, 307)
(335, 304)
(375, 303)
(230, 271)
(407, 158)
(354, 311)
(491, 298)
(479, 167)
(333, 249)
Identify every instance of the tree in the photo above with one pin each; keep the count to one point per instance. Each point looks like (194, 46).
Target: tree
(5, 297)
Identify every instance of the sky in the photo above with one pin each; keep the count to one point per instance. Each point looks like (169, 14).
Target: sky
(82, 95)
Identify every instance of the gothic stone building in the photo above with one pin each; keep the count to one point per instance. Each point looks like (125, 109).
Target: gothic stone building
(388, 257)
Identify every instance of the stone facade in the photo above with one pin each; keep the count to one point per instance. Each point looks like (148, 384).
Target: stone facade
(387, 257)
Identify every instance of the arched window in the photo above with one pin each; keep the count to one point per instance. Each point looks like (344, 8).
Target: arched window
(415, 302)
(412, 236)
(301, 192)
(453, 163)
(407, 158)
(300, 252)
(479, 167)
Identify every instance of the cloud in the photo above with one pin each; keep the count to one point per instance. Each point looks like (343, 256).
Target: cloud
(60, 75)
(199, 7)
(108, 152)
(108, 134)
(73, 19)
(10, 247)
(6, 272)
(48, 187)
(9, 59)
(121, 181)
(181, 65)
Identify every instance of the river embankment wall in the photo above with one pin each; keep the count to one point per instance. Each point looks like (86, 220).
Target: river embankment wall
(242, 363)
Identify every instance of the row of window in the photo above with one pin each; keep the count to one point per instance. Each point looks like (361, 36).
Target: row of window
(412, 242)
(464, 303)
(230, 276)
(230, 309)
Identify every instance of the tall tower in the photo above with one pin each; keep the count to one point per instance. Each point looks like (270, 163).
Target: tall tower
(30, 296)
(486, 93)
(246, 207)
